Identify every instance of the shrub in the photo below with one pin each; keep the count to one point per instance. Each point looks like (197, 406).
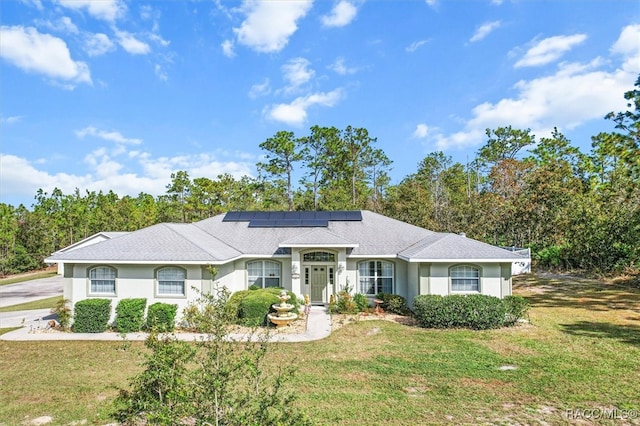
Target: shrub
(394, 303)
(516, 307)
(255, 306)
(91, 315)
(161, 317)
(475, 311)
(361, 302)
(232, 307)
(63, 312)
(130, 314)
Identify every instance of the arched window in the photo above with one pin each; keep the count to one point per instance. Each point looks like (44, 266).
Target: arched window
(465, 278)
(102, 280)
(264, 273)
(376, 276)
(319, 256)
(171, 281)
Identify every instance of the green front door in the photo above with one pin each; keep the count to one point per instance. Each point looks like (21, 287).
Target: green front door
(318, 277)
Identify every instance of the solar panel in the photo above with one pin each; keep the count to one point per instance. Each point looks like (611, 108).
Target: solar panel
(284, 219)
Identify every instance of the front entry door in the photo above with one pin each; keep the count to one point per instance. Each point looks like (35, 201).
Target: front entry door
(318, 283)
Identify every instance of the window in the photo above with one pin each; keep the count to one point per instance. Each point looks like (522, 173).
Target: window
(465, 278)
(319, 256)
(103, 280)
(376, 276)
(264, 273)
(171, 281)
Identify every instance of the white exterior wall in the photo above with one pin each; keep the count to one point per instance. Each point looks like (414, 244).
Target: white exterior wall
(134, 281)
(490, 281)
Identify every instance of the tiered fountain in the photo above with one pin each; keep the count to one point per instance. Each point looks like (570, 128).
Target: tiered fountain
(283, 316)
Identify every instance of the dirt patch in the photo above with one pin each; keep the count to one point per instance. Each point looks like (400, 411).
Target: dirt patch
(340, 320)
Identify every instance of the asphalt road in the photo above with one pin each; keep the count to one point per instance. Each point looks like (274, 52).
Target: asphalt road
(28, 291)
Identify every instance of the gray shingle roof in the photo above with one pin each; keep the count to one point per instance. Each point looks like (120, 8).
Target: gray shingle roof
(216, 241)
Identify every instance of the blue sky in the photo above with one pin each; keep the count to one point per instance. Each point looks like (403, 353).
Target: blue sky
(114, 94)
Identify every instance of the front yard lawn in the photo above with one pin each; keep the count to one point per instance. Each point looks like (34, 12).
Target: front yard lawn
(580, 352)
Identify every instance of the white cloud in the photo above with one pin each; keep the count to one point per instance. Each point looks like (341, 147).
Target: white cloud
(497, 2)
(431, 3)
(161, 73)
(260, 89)
(421, 131)
(295, 113)
(227, 48)
(112, 136)
(107, 10)
(12, 119)
(296, 72)
(63, 25)
(21, 178)
(415, 45)
(549, 49)
(269, 24)
(342, 14)
(35, 3)
(339, 67)
(628, 46)
(484, 30)
(33, 51)
(131, 44)
(572, 96)
(97, 44)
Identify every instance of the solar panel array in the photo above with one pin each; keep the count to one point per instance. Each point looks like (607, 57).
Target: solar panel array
(303, 219)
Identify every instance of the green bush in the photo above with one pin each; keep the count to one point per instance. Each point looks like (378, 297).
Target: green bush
(91, 315)
(161, 317)
(130, 315)
(255, 306)
(475, 311)
(232, 307)
(394, 303)
(516, 307)
(361, 301)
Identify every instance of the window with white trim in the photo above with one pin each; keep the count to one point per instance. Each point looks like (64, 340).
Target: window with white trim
(171, 281)
(376, 276)
(102, 280)
(264, 273)
(465, 278)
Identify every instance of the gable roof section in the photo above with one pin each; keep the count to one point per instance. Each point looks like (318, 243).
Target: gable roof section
(318, 238)
(92, 239)
(442, 247)
(162, 243)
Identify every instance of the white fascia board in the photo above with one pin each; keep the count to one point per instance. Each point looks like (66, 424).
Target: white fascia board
(413, 260)
(140, 262)
(310, 245)
(373, 256)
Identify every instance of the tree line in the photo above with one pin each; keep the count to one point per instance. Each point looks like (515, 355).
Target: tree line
(575, 210)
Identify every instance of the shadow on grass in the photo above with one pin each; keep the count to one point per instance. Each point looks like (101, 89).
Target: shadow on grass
(629, 334)
(574, 292)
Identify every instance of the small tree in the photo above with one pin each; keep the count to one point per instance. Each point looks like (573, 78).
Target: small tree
(212, 381)
(63, 311)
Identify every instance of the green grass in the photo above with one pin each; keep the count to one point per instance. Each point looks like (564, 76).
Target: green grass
(38, 304)
(26, 277)
(581, 350)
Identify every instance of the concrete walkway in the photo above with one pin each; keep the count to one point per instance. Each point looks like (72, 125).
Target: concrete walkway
(318, 327)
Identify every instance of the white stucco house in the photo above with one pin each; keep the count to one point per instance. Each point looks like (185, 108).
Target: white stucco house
(315, 253)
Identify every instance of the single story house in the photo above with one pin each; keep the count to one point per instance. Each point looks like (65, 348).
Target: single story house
(314, 253)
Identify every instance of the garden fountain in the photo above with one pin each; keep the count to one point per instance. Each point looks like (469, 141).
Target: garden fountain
(283, 316)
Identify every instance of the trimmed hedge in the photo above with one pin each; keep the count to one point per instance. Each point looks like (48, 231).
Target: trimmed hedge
(254, 305)
(130, 314)
(232, 308)
(91, 315)
(516, 307)
(161, 317)
(475, 311)
(394, 303)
